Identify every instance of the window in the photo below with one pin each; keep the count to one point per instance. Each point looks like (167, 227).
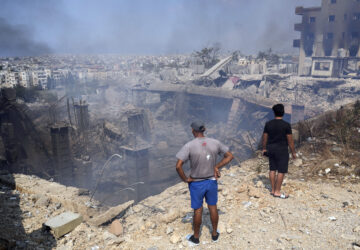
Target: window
(310, 36)
(356, 16)
(354, 35)
(322, 66)
(333, 1)
(312, 19)
(329, 35)
(332, 18)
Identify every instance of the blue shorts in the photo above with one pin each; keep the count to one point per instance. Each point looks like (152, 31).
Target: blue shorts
(201, 189)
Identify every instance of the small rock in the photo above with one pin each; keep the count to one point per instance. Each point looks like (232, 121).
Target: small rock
(348, 237)
(171, 216)
(108, 236)
(169, 230)
(136, 209)
(225, 192)
(175, 238)
(43, 201)
(259, 184)
(247, 204)
(253, 192)
(221, 227)
(116, 228)
(57, 205)
(115, 242)
(327, 170)
(242, 188)
(332, 218)
(229, 230)
(297, 162)
(356, 229)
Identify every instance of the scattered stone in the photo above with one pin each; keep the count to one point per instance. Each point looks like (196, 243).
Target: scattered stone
(259, 184)
(332, 218)
(116, 228)
(229, 230)
(247, 204)
(356, 229)
(108, 236)
(115, 242)
(327, 170)
(57, 205)
(169, 230)
(43, 201)
(171, 216)
(110, 214)
(242, 188)
(225, 192)
(256, 193)
(348, 237)
(221, 227)
(63, 223)
(297, 162)
(175, 238)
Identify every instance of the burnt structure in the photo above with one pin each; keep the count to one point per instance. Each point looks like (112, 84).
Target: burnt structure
(61, 153)
(330, 36)
(82, 115)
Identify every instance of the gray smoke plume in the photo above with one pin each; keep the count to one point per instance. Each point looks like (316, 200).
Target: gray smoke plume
(17, 40)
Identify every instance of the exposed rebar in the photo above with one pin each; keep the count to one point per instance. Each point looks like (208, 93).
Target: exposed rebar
(102, 171)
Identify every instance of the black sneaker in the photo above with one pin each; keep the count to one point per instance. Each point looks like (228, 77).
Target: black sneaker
(192, 240)
(216, 237)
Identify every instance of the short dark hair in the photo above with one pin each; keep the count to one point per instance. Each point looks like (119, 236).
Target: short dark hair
(279, 110)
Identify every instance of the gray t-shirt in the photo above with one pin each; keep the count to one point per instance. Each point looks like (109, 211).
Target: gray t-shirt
(202, 153)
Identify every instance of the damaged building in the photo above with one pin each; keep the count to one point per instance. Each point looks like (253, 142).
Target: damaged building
(329, 42)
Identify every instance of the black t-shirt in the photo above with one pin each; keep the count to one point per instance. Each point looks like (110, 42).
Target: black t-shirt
(277, 130)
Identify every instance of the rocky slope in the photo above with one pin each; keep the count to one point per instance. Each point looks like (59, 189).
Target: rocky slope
(322, 212)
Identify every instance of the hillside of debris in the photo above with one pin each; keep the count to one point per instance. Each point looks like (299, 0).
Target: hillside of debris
(322, 210)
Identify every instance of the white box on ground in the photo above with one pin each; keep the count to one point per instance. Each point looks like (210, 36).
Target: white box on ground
(64, 223)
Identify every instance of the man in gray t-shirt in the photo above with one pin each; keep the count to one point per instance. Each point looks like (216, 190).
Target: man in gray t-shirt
(204, 171)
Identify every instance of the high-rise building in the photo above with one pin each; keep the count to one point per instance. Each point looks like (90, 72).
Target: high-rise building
(330, 35)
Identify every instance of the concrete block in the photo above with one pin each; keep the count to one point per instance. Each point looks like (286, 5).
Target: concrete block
(64, 223)
(110, 214)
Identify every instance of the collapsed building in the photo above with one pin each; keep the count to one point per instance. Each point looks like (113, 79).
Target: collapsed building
(330, 38)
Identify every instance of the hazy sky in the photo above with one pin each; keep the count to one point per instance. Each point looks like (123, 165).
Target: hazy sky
(33, 27)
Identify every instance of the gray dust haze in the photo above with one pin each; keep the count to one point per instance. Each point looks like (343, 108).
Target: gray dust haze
(146, 27)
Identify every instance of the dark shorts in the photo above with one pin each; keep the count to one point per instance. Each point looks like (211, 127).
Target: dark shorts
(201, 189)
(278, 158)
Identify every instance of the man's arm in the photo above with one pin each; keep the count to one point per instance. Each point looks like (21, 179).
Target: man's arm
(228, 156)
(291, 145)
(181, 173)
(264, 142)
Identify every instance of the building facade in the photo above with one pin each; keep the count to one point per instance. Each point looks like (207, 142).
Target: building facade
(329, 42)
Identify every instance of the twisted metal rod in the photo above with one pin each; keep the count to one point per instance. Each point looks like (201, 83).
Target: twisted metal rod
(102, 171)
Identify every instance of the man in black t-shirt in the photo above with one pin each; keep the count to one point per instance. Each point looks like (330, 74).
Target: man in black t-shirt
(277, 138)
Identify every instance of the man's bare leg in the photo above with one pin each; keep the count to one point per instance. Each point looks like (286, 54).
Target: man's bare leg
(272, 177)
(278, 183)
(214, 217)
(197, 221)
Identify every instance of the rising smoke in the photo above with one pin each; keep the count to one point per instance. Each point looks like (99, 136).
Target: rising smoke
(17, 40)
(147, 27)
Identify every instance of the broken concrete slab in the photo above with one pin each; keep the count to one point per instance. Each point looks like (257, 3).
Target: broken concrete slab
(64, 223)
(110, 214)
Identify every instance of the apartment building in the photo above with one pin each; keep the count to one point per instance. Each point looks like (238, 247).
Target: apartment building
(329, 42)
